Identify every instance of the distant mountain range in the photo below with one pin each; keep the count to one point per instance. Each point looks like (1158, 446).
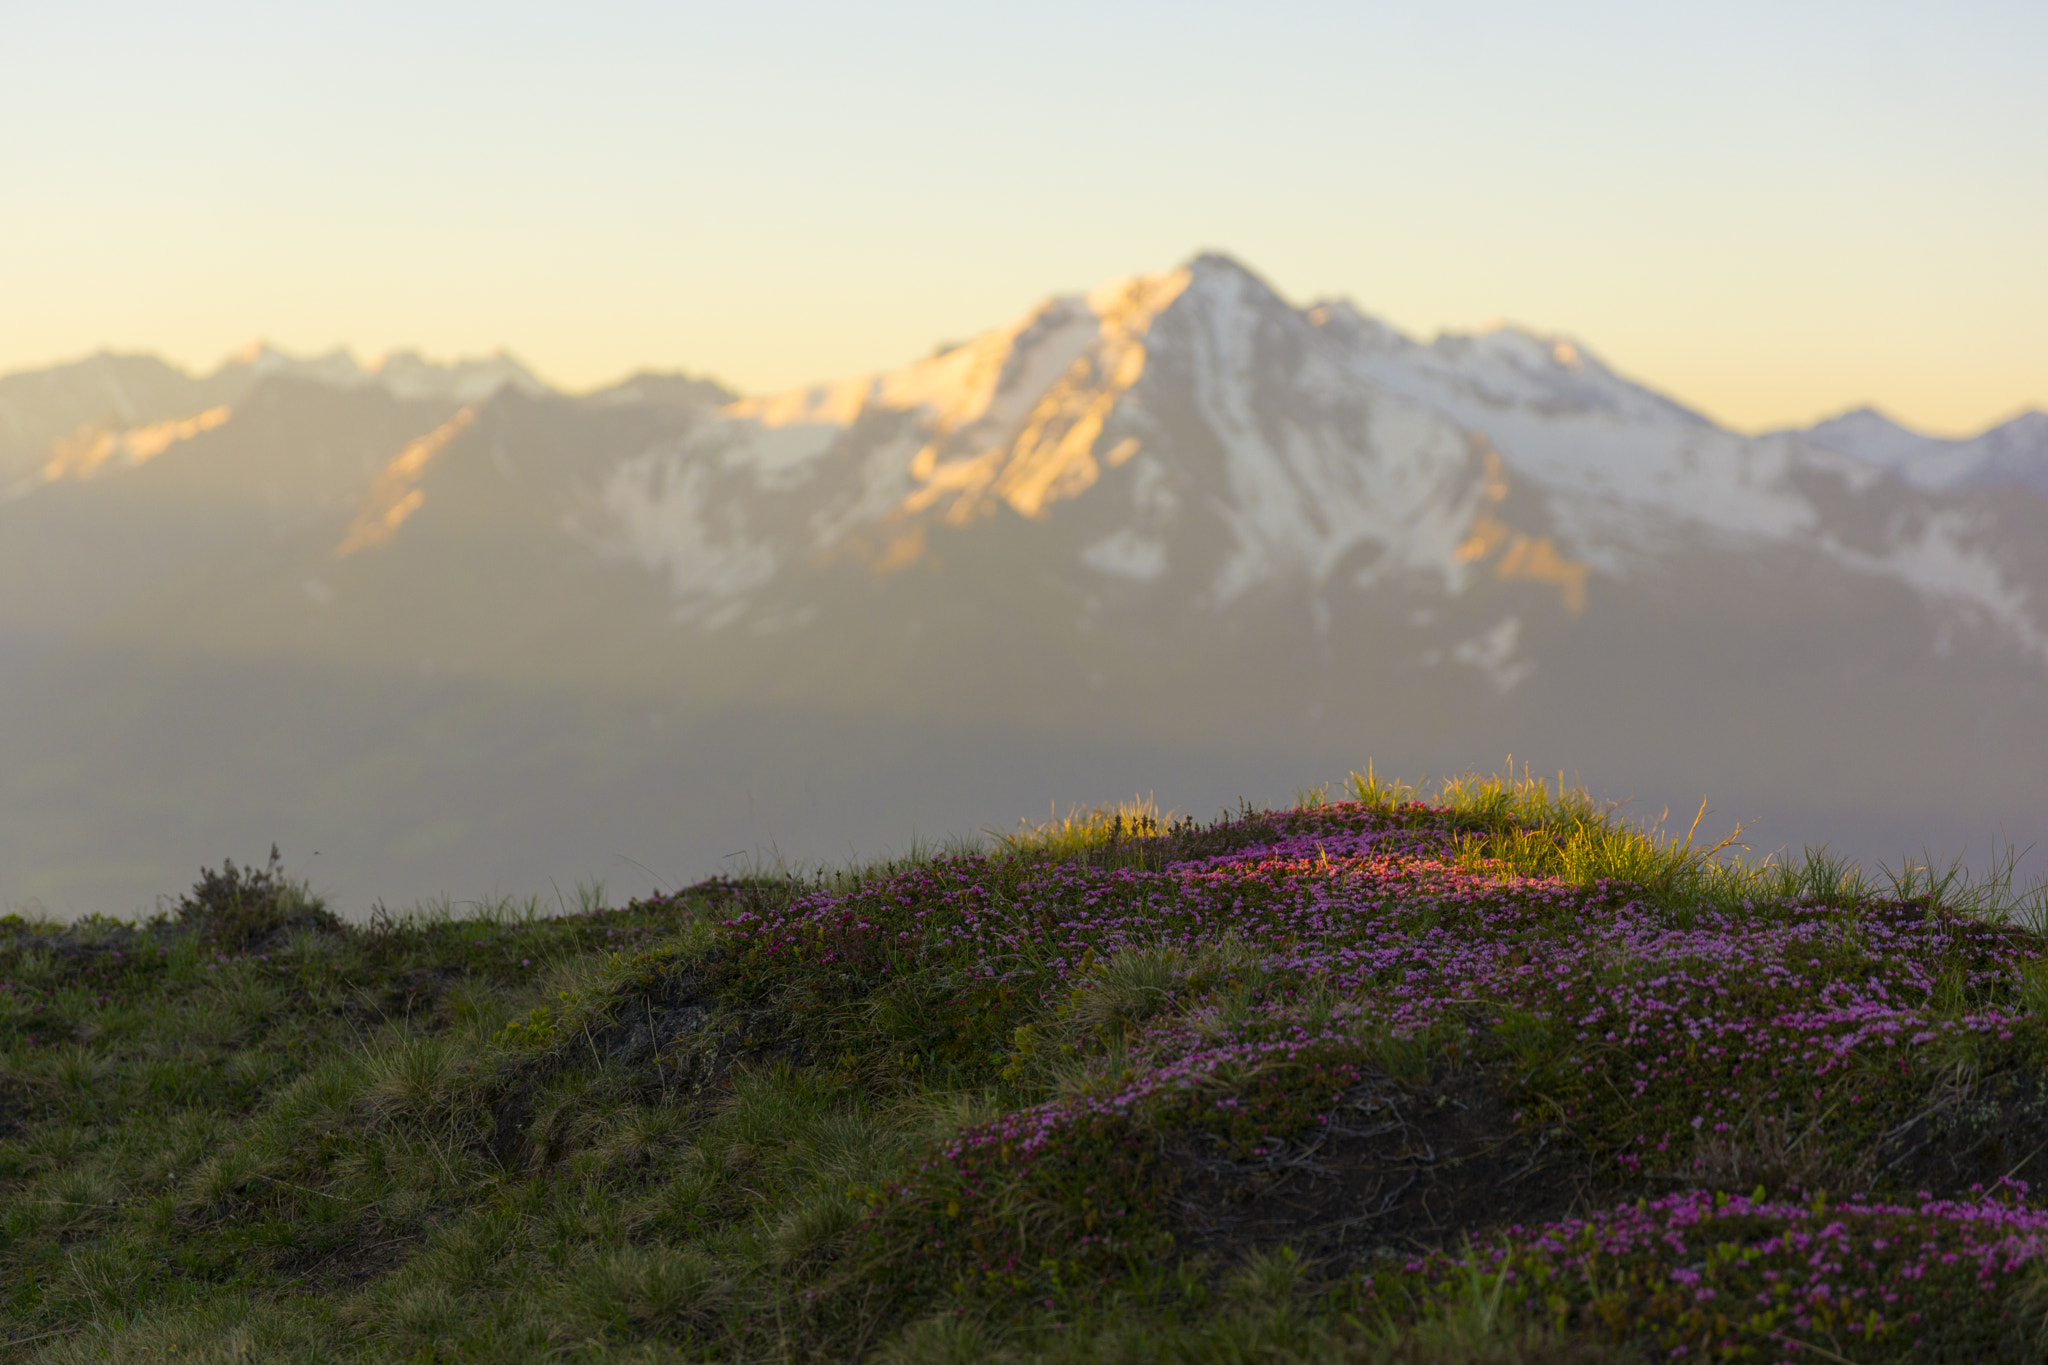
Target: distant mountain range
(456, 631)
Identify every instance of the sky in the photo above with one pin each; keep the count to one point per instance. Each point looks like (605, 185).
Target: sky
(1771, 211)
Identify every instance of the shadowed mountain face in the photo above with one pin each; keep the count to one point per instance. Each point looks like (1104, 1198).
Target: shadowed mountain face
(456, 632)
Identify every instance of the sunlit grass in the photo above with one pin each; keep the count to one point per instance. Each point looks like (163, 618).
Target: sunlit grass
(1084, 829)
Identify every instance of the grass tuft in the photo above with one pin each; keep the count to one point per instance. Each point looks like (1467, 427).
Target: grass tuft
(1083, 829)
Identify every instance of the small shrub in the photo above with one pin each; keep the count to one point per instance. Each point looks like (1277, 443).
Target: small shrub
(237, 906)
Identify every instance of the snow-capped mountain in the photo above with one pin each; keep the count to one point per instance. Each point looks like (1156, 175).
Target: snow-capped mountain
(2013, 454)
(455, 628)
(1249, 444)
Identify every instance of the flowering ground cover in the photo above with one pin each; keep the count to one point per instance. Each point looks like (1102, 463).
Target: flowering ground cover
(1491, 1077)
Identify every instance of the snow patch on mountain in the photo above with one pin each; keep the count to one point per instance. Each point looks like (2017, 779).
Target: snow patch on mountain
(1127, 554)
(1946, 562)
(407, 374)
(1492, 653)
(337, 368)
(403, 374)
(667, 521)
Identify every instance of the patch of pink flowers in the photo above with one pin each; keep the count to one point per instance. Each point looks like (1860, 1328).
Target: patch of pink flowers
(1722, 1276)
(1655, 1028)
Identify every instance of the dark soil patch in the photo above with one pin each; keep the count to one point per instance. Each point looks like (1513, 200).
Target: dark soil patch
(511, 1117)
(1972, 1137)
(419, 991)
(1396, 1171)
(677, 1031)
(659, 1026)
(14, 1110)
(359, 1255)
(43, 1026)
(669, 1032)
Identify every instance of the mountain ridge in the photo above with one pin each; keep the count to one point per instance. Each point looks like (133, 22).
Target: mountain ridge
(1177, 520)
(1863, 433)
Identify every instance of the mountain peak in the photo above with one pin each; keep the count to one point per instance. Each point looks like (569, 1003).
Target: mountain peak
(2030, 426)
(408, 374)
(1211, 271)
(1509, 340)
(253, 352)
(1871, 435)
(1219, 262)
(664, 389)
(1867, 418)
(2013, 453)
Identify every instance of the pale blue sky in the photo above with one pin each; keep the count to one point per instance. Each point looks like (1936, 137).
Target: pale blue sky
(1773, 211)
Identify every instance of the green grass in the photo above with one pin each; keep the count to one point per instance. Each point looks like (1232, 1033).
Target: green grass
(1047, 1095)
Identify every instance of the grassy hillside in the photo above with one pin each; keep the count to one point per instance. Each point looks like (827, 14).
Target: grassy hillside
(1492, 1077)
